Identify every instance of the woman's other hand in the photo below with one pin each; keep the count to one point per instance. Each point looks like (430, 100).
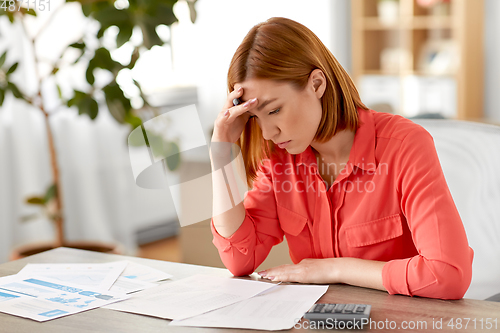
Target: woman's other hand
(353, 271)
(320, 271)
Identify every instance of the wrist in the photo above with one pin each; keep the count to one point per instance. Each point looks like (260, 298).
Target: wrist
(336, 272)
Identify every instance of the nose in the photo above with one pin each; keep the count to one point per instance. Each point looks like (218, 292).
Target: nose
(269, 130)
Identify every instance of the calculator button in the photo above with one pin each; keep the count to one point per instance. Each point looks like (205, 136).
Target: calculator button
(318, 308)
(349, 308)
(339, 308)
(329, 308)
(360, 308)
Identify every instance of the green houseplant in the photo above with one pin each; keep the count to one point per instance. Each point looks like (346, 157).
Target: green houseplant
(147, 15)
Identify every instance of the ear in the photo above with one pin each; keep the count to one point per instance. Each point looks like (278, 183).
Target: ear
(317, 81)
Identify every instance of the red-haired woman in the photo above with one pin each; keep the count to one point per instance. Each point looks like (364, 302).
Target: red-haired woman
(359, 195)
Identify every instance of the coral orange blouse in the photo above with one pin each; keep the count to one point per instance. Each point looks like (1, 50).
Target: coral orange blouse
(389, 203)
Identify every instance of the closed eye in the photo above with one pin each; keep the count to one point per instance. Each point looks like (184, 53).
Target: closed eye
(270, 113)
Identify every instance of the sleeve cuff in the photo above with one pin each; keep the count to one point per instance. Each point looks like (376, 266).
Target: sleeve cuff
(394, 277)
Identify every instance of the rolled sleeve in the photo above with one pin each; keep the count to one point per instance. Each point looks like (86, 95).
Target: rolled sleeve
(443, 267)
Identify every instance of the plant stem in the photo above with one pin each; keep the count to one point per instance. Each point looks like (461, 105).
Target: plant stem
(58, 218)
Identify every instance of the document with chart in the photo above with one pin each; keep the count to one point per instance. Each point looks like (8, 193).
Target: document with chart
(41, 298)
(98, 276)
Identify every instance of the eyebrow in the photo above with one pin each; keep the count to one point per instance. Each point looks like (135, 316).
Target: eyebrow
(263, 105)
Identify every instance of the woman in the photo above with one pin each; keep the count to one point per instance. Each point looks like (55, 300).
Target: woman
(359, 195)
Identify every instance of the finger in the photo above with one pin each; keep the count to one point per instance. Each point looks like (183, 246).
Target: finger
(236, 111)
(236, 93)
(276, 271)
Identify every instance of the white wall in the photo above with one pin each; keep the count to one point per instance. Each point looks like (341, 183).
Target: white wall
(492, 60)
(221, 26)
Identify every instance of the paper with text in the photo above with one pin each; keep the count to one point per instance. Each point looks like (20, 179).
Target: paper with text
(128, 286)
(190, 296)
(278, 309)
(144, 273)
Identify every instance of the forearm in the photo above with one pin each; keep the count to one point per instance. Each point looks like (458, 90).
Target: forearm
(228, 222)
(228, 209)
(353, 271)
(359, 272)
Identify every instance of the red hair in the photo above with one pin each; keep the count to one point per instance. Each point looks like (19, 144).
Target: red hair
(283, 50)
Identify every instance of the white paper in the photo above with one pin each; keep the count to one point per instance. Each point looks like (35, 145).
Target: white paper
(127, 286)
(278, 309)
(41, 298)
(98, 276)
(190, 296)
(144, 273)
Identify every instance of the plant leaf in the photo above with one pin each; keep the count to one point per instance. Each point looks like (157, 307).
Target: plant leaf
(35, 201)
(124, 34)
(103, 59)
(93, 110)
(173, 155)
(12, 68)
(156, 144)
(2, 58)
(25, 11)
(86, 8)
(80, 46)
(31, 12)
(2, 96)
(150, 37)
(89, 74)
(12, 87)
(118, 105)
(50, 194)
(77, 98)
(133, 120)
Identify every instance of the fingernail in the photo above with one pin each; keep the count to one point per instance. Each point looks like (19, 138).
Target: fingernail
(250, 102)
(226, 113)
(262, 273)
(239, 89)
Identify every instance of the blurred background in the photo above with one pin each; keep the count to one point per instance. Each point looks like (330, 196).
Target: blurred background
(77, 77)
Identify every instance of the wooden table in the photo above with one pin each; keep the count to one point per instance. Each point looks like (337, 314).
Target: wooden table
(387, 310)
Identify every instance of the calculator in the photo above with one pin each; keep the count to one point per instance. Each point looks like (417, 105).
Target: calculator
(338, 312)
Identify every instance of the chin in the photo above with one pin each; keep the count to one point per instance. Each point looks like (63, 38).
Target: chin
(295, 150)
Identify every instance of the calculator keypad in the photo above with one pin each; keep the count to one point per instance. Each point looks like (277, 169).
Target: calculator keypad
(338, 308)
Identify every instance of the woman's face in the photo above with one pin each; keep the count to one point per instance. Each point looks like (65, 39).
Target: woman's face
(286, 115)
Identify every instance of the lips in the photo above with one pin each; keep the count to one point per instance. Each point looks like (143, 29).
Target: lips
(283, 144)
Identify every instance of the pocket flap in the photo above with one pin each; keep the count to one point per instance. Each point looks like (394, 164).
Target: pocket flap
(291, 222)
(373, 232)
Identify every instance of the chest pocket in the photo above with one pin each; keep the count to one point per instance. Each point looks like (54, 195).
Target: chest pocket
(374, 232)
(292, 223)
